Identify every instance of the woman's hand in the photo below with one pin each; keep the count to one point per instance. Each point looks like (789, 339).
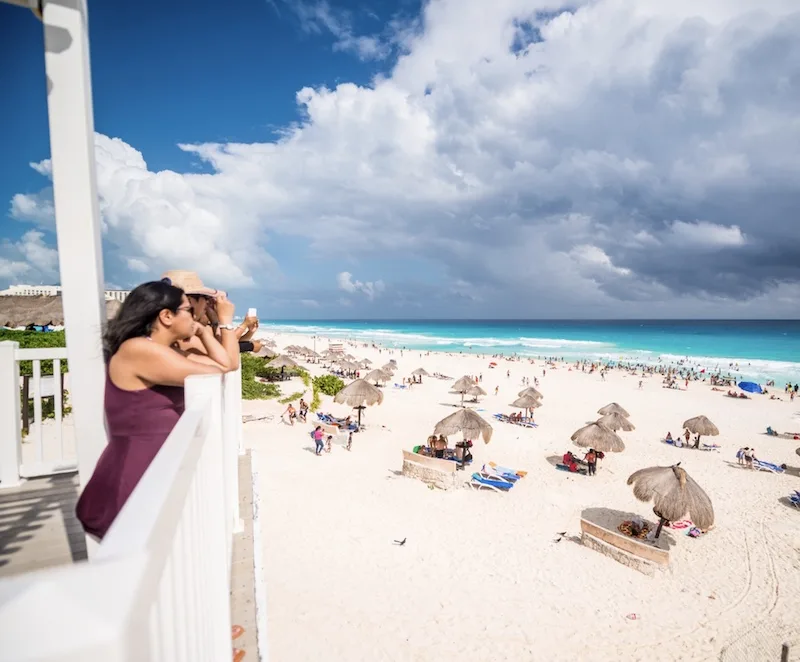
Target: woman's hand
(225, 309)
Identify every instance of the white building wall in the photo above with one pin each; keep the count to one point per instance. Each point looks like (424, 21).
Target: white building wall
(55, 290)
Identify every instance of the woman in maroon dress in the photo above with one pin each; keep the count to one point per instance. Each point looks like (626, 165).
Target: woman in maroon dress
(145, 373)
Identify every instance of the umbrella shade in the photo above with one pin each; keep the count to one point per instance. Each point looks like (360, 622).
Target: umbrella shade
(282, 362)
(40, 311)
(421, 372)
(359, 393)
(701, 425)
(674, 495)
(476, 391)
(526, 402)
(466, 421)
(616, 422)
(530, 391)
(613, 408)
(463, 384)
(598, 437)
(377, 376)
(750, 387)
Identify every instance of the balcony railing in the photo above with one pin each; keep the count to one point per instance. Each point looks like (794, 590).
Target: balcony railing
(158, 586)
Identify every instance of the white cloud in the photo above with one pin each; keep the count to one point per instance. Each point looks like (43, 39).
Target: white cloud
(370, 289)
(29, 258)
(575, 165)
(706, 235)
(309, 303)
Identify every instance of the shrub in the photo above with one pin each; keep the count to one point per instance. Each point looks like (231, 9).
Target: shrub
(328, 384)
(31, 339)
(316, 401)
(291, 398)
(252, 367)
(305, 377)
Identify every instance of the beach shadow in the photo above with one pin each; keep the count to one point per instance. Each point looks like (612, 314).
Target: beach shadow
(786, 501)
(310, 449)
(610, 519)
(395, 472)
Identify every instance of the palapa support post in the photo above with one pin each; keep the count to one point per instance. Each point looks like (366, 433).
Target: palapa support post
(785, 652)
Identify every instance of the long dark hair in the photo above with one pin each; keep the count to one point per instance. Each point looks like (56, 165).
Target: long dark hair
(138, 313)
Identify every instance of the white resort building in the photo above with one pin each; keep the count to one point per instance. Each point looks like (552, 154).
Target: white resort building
(55, 290)
(176, 568)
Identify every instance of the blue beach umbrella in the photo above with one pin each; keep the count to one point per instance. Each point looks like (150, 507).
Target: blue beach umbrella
(750, 387)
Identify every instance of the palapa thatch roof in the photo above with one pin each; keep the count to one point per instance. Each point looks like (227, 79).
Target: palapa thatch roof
(616, 422)
(359, 393)
(367, 361)
(464, 384)
(475, 390)
(40, 311)
(348, 365)
(674, 494)
(526, 402)
(389, 368)
(421, 372)
(598, 437)
(377, 376)
(466, 421)
(701, 425)
(530, 391)
(282, 362)
(613, 408)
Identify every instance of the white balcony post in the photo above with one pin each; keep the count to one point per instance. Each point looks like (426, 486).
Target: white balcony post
(231, 429)
(69, 101)
(10, 433)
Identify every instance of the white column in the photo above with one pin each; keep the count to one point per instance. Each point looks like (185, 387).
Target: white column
(10, 432)
(69, 103)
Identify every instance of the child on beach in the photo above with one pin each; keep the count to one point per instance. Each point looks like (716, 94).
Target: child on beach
(350, 441)
(328, 443)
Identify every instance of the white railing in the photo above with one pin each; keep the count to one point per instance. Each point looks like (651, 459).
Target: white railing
(48, 448)
(158, 586)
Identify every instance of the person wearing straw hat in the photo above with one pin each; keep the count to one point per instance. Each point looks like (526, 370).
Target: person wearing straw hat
(206, 303)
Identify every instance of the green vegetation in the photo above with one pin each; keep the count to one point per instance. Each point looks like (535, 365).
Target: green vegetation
(291, 398)
(305, 377)
(316, 401)
(35, 339)
(328, 384)
(252, 367)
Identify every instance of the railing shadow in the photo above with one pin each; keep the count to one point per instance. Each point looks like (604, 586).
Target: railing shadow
(25, 512)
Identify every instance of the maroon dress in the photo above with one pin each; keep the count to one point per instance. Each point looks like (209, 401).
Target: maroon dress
(138, 424)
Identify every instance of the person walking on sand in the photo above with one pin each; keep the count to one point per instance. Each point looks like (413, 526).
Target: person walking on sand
(350, 441)
(740, 455)
(687, 435)
(318, 440)
(591, 461)
(328, 442)
(496, 390)
(292, 414)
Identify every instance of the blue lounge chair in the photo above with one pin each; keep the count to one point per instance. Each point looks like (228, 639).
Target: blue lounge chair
(494, 482)
(768, 466)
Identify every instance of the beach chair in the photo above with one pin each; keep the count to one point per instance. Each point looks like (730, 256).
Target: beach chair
(481, 480)
(503, 470)
(795, 499)
(768, 466)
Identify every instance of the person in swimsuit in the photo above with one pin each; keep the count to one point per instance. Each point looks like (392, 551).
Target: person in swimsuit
(145, 373)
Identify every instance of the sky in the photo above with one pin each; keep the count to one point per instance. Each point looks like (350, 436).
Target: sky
(430, 158)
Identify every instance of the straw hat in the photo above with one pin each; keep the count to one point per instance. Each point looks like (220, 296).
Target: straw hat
(189, 282)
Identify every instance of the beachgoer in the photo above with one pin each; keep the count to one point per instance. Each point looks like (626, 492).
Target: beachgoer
(668, 437)
(318, 439)
(145, 374)
(328, 443)
(591, 461)
(350, 441)
(292, 414)
(740, 456)
(496, 390)
(687, 435)
(749, 456)
(302, 410)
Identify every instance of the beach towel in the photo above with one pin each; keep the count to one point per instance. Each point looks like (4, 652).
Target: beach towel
(564, 467)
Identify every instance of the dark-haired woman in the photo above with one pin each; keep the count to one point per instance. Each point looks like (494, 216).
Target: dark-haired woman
(145, 373)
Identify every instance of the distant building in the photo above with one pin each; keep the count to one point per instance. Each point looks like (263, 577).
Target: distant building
(54, 291)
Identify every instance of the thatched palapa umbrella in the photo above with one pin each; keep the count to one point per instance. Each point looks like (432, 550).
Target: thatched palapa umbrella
(475, 391)
(421, 372)
(357, 394)
(377, 376)
(700, 425)
(613, 408)
(526, 402)
(282, 362)
(674, 495)
(463, 385)
(389, 368)
(530, 391)
(598, 437)
(466, 421)
(40, 311)
(616, 422)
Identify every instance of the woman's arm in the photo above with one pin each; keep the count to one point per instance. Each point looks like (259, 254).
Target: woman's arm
(156, 364)
(214, 350)
(224, 308)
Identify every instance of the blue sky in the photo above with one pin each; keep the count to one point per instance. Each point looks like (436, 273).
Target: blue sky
(408, 159)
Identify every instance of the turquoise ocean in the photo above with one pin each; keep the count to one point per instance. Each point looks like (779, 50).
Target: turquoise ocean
(756, 350)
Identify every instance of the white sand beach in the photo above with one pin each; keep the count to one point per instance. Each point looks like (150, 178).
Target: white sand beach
(481, 576)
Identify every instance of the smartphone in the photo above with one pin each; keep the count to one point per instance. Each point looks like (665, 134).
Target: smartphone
(251, 312)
